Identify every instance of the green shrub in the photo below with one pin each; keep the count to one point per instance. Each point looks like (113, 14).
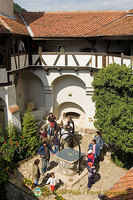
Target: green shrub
(113, 96)
(29, 130)
(122, 159)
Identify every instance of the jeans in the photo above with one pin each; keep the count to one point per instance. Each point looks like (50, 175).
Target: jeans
(56, 147)
(45, 164)
(89, 182)
(50, 130)
(36, 181)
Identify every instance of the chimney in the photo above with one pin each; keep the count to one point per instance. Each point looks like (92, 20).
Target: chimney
(6, 7)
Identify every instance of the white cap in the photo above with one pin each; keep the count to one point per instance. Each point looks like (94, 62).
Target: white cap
(90, 151)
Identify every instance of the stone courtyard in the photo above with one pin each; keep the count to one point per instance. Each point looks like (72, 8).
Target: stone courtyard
(107, 174)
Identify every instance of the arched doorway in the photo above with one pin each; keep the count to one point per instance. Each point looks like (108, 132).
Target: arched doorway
(69, 93)
(66, 109)
(2, 112)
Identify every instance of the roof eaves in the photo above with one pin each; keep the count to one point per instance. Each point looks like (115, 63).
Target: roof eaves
(6, 25)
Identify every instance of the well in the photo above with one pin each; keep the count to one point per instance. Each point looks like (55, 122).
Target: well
(67, 160)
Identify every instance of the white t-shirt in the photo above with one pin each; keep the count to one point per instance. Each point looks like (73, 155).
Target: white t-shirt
(21, 46)
(52, 181)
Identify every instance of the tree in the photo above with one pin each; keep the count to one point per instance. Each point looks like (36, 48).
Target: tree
(113, 97)
(18, 8)
(30, 133)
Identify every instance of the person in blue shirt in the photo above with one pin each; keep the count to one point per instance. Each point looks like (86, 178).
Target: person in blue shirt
(95, 149)
(44, 152)
(99, 140)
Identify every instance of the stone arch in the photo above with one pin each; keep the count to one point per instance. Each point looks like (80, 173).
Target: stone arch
(3, 112)
(67, 74)
(68, 88)
(73, 110)
(30, 86)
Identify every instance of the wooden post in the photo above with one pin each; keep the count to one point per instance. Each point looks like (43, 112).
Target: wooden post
(8, 53)
(40, 55)
(66, 60)
(12, 43)
(18, 41)
(104, 61)
(96, 64)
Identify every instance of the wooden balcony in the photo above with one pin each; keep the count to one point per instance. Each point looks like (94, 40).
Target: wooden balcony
(79, 59)
(19, 60)
(67, 60)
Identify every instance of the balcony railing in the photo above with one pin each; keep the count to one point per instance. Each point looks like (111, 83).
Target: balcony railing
(68, 59)
(79, 59)
(19, 60)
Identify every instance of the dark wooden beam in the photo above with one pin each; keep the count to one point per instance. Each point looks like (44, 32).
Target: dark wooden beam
(56, 60)
(75, 59)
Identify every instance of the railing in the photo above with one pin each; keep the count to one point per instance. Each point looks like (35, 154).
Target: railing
(69, 59)
(81, 59)
(19, 60)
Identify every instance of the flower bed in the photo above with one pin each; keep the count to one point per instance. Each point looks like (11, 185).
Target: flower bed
(28, 183)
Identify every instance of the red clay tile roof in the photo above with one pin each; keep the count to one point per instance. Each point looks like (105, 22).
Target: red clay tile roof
(69, 24)
(124, 185)
(14, 109)
(121, 27)
(12, 26)
(3, 29)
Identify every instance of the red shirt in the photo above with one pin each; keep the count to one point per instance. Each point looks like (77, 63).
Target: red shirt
(91, 156)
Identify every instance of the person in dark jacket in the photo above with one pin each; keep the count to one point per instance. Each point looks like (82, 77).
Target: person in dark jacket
(36, 171)
(91, 173)
(55, 140)
(44, 152)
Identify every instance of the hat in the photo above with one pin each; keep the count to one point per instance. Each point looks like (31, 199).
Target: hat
(90, 151)
(90, 164)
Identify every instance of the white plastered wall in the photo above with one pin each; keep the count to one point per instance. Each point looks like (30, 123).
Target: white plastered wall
(8, 94)
(70, 82)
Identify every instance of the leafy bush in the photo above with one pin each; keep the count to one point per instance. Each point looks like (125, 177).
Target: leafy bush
(29, 130)
(113, 95)
(46, 191)
(16, 145)
(122, 159)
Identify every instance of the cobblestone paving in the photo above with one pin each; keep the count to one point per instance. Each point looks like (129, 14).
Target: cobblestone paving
(106, 176)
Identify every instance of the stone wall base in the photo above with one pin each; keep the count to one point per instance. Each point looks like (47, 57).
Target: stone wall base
(15, 193)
